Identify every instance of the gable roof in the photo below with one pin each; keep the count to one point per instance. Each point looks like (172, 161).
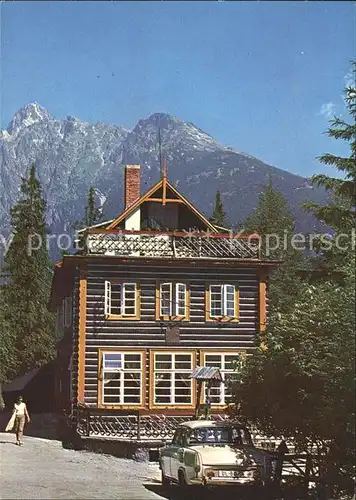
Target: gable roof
(161, 184)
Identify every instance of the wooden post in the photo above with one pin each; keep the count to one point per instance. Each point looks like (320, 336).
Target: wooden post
(208, 402)
(282, 450)
(87, 414)
(138, 426)
(262, 301)
(81, 335)
(279, 467)
(164, 185)
(197, 407)
(308, 470)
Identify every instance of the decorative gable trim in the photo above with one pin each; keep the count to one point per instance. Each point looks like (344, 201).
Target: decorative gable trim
(164, 184)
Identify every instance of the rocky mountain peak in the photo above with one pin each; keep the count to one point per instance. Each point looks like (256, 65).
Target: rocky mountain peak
(157, 121)
(72, 155)
(174, 133)
(27, 116)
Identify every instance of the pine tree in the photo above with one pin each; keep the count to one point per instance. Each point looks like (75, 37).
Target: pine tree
(92, 214)
(218, 217)
(274, 224)
(340, 213)
(303, 385)
(271, 217)
(7, 359)
(28, 274)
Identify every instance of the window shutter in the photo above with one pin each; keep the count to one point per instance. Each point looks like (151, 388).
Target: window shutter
(165, 299)
(128, 299)
(107, 299)
(122, 299)
(216, 300)
(229, 300)
(180, 299)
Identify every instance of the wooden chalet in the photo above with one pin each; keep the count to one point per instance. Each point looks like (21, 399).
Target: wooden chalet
(148, 297)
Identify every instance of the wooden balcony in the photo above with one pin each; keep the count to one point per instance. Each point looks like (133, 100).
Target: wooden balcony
(170, 245)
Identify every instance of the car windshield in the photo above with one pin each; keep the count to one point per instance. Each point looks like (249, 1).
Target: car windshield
(216, 435)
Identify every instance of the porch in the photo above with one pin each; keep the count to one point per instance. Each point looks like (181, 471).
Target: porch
(144, 430)
(132, 425)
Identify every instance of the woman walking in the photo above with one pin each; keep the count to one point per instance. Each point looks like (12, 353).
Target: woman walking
(21, 415)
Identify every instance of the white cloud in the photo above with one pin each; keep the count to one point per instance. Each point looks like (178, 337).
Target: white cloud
(328, 110)
(349, 79)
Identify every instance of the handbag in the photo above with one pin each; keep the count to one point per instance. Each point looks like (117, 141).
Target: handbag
(11, 423)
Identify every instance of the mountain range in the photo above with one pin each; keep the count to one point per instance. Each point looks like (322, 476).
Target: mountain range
(71, 155)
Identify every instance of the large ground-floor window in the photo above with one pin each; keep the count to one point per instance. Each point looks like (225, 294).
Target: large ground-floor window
(122, 376)
(172, 384)
(227, 363)
(126, 373)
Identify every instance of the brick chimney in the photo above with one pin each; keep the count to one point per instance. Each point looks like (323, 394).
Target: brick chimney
(132, 184)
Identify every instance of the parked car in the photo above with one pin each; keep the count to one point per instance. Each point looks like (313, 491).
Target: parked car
(205, 452)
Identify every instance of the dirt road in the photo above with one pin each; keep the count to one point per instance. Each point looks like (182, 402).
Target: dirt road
(42, 469)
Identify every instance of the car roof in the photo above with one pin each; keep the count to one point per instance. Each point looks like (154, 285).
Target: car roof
(195, 424)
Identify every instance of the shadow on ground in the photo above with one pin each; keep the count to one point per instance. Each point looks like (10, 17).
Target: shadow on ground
(224, 493)
(236, 493)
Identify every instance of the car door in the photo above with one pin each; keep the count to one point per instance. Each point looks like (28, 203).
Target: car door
(168, 453)
(190, 455)
(177, 454)
(189, 463)
(165, 460)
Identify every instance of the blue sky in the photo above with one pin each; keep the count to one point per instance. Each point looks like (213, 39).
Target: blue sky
(263, 77)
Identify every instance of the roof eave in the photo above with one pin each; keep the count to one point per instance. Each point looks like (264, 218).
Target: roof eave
(72, 259)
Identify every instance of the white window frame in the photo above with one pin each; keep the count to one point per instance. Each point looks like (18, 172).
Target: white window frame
(162, 294)
(177, 305)
(123, 289)
(224, 293)
(122, 371)
(222, 388)
(175, 308)
(173, 371)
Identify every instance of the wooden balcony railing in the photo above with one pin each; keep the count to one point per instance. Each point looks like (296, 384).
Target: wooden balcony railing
(129, 425)
(171, 245)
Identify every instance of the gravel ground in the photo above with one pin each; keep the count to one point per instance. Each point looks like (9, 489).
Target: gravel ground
(42, 469)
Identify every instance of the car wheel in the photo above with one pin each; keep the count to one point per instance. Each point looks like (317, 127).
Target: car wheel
(165, 481)
(194, 491)
(182, 482)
